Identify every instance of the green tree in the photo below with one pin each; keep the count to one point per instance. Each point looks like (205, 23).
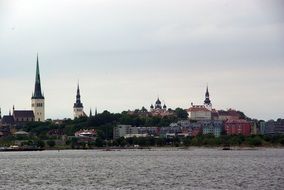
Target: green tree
(181, 113)
(50, 143)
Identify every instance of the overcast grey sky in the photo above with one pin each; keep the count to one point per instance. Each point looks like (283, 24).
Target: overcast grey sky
(125, 53)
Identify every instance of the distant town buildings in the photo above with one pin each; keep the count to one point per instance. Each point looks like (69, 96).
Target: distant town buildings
(272, 127)
(123, 130)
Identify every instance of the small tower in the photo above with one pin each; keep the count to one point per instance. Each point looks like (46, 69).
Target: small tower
(158, 104)
(165, 107)
(38, 98)
(78, 106)
(151, 108)
(90, 115)
(96, 112)
(207, 101)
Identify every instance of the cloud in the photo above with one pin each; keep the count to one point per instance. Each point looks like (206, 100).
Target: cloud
(126, 53)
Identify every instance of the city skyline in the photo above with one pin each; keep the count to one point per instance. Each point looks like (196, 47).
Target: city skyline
(125, 54)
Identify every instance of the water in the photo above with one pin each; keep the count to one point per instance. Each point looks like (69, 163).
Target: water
(143, 169)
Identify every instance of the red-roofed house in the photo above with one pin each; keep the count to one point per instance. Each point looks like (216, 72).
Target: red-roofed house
(199, 112)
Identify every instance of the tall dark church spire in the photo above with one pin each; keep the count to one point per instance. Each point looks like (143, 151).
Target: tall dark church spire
(78, 103)
(37, 92)
(207, 99)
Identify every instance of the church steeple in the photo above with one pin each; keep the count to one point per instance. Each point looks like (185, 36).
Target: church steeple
(37, 92)
(207, 101)
(78, 106)
(90, 115)
(78, 103)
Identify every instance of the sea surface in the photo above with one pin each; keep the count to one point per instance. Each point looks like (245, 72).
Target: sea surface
(143, 169)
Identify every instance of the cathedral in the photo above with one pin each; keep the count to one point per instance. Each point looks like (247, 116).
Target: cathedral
(37, 112)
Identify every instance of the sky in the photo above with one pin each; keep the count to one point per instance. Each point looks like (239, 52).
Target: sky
(126, 53)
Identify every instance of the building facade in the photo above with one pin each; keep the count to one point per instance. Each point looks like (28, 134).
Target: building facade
(124, 130)
(212, 127)
(272, 127)
(238, 127)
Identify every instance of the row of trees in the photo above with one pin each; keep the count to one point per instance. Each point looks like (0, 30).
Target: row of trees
(103, 123)
(202, 140)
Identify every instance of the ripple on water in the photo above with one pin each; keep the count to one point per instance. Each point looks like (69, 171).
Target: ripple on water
(143, 169)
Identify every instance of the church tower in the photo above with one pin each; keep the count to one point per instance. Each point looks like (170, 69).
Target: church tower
(207, 101)
(78, 106)
(38, 98)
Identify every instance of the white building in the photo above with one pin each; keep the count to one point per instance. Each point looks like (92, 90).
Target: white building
(201, 112)
(124, 131)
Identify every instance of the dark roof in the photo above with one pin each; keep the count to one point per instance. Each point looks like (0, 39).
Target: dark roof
(158, 101)
(8, 119)
(23, 113)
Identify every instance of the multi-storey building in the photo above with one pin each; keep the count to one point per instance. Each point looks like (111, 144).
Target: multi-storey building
(212, 127)
(238, 127)
(124, 130)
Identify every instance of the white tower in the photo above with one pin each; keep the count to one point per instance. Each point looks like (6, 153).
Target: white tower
(78, 106)
(38, 98)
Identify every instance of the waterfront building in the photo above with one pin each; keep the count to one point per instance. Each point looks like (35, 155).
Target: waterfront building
(238, 127)
(78, 107)
(212, 127)
(272, 127)
(124, 130)
(38, 103)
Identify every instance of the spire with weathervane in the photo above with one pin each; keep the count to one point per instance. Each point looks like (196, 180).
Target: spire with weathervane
(37, 97)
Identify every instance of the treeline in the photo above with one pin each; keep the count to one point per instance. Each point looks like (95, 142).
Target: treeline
(103, 123)
(202, 140)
